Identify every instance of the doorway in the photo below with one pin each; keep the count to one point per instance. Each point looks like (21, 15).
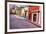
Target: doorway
(34, 17)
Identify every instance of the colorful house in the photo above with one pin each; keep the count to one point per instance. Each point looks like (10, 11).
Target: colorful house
(34, 14)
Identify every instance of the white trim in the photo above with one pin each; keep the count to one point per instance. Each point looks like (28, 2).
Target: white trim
(36, 17)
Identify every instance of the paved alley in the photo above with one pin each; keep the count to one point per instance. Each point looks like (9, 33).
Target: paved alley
(19, 22)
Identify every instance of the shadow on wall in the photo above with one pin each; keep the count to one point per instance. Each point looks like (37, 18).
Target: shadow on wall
(12, 33)
(11, 0)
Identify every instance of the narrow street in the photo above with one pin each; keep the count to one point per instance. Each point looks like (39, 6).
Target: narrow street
(19, 22)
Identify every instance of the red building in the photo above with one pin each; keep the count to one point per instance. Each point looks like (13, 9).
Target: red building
(34, 14)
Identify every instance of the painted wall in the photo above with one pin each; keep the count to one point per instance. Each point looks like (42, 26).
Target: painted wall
(31, 8)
